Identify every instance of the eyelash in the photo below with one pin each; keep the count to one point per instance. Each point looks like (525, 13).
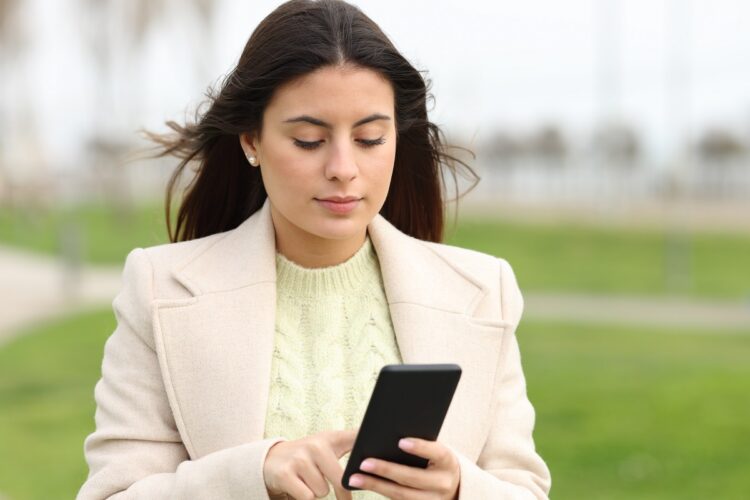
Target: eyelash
(313, 145)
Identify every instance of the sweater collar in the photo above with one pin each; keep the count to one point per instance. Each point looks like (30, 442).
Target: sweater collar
(345, 277)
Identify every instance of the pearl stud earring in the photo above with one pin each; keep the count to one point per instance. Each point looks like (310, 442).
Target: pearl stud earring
(252, 160)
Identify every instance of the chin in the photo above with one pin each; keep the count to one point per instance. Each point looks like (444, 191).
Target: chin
(339, 229)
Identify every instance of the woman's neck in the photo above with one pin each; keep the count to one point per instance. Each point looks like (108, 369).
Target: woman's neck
(320, 255)
(311, 251)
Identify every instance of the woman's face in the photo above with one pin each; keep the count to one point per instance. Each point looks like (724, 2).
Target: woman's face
(326, 154)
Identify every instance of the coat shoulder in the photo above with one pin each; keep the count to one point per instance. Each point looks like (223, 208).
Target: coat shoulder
(173, 253)
(479, 265)
(166, 257)
(461, 253)
(493, 273)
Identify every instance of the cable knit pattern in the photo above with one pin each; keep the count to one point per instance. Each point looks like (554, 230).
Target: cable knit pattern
(333, 334)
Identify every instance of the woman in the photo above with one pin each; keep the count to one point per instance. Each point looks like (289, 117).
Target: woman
(306, 256)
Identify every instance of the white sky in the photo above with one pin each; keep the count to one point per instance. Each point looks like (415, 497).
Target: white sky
(673, 65)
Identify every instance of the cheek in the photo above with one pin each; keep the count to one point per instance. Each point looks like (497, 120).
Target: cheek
(287, 167)
(381, 167)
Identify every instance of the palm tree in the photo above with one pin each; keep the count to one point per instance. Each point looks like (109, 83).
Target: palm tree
(120, 34)
(719, 146)
(11, 46)
(617, 144)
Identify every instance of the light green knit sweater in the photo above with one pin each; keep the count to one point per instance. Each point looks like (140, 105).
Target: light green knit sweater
(333, 334)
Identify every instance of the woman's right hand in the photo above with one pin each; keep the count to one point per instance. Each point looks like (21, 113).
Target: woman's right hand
(301, 467)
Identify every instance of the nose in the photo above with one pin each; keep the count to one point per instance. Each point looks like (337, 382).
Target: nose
(341, 164)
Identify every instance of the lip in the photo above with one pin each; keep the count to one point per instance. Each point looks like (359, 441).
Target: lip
(339, 199)
(339, 204)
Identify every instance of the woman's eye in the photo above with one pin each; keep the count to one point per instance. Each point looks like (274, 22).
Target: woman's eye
(314, 144)
(372, 142)
(307, 145)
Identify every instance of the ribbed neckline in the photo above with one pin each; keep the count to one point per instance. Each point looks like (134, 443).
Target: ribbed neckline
(346, 276)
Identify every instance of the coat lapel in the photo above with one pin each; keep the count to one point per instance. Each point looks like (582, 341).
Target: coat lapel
(432, 304)
(215, 347)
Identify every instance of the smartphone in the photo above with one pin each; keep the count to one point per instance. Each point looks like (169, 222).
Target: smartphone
(407, 400)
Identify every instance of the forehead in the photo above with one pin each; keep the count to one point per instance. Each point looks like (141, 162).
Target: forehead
(334, 92)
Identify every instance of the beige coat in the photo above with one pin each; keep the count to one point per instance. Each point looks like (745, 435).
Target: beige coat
(185, 376)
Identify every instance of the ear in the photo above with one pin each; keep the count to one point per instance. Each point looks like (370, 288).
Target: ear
(249, 148)
(247, 142)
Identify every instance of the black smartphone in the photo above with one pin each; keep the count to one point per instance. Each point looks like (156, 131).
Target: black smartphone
(407, 400)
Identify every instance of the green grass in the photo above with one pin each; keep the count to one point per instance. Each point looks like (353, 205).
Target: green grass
(621, 413)
(567, 257)
(106, 234)
(47, 379)
(647, 414)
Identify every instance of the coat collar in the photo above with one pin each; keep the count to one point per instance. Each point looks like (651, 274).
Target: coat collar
(215, 347)
(245, 256)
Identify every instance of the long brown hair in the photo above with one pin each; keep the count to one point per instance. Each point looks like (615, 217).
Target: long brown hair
(297, 38)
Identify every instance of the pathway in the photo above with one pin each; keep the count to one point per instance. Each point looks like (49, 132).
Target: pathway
(35, 287)
(712, 316)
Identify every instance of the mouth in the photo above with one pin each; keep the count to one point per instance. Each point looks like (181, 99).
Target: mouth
(340, 199)
(339, 204)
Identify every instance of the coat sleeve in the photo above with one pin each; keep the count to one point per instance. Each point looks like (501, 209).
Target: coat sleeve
(509, 466)
(135, 450)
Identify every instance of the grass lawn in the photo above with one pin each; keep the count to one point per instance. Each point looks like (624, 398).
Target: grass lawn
(545, 257)
(621, 413)
(106, 234)
(567, 257)
(645, 414)
(47, 381)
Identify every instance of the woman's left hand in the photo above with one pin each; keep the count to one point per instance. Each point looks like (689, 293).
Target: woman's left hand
(439, 481)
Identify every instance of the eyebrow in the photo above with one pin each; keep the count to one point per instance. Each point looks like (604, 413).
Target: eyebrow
(321, 123)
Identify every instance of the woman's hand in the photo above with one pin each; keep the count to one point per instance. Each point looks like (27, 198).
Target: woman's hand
(440, 480)
(301, 467)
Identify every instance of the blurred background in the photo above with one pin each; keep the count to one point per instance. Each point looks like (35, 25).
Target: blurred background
(613, 142)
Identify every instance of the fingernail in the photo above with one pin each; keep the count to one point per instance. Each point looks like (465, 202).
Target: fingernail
(406, 444)
(367, 465)
(355, 481)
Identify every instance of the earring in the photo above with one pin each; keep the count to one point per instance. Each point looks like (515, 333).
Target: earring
(252, 160)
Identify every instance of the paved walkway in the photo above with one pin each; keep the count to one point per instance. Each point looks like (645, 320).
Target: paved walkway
(36, 287)
(708, 315)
